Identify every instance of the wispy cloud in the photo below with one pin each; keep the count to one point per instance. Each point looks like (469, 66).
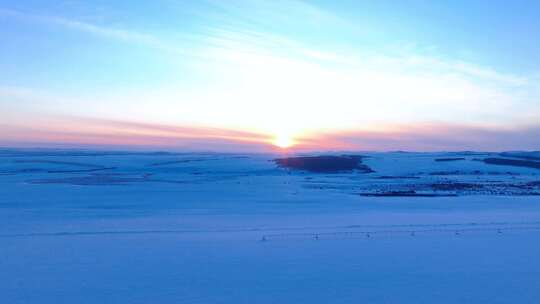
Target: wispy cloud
(109, 32)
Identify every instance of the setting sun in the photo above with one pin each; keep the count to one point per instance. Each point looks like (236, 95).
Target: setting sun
(283, 141)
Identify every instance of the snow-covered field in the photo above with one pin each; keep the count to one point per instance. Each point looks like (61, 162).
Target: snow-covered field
(104, 227)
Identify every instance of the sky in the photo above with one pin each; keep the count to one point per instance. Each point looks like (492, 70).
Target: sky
(271, 75)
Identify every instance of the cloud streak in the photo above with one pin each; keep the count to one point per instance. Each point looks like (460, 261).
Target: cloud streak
(433, 137)
(98, 133)
(118, 34)
(92, 132)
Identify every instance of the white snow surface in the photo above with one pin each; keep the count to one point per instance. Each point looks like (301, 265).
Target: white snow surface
(106, 227)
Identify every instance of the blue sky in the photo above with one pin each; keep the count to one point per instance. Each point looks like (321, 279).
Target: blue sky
(297, 71)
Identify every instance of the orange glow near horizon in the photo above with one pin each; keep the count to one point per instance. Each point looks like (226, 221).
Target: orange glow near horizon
(80, 131)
